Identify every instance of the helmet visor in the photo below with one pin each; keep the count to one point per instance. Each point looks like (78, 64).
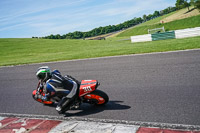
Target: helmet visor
(41, 76)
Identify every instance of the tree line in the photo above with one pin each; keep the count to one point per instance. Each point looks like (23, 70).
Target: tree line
(185, 3)
(135, 21)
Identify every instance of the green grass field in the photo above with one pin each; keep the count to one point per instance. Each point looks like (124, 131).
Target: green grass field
(26, 51)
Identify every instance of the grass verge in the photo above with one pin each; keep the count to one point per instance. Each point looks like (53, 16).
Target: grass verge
(26, 51)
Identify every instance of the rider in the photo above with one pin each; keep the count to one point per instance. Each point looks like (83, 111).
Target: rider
(55, 84)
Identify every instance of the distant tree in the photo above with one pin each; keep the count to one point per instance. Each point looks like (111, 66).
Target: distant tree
(129, 23)
(161, 12)
(108, 29)
(197, 4)
(86, 34)
(51, 36)
(192, 2)
(187, 4)
(179, 4)
(167, 10)
(63, 36)
(120, 26)
(144, 17)
(77, 35)
(139, 20)
(69, 36)
(126, 24)
(102, 30)
(57, 36)
(149, 17)
(172, 9)
(156, 14)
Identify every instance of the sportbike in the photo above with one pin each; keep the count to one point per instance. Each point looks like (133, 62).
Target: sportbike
(87, 93)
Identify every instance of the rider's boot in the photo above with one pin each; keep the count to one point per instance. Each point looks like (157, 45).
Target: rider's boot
(63, 105)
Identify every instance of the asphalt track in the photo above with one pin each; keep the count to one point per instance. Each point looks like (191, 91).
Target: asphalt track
(159, 87)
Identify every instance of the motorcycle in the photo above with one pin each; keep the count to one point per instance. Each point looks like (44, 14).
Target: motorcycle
(87, 93)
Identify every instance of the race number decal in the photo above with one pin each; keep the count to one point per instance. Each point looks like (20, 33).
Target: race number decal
(87, 88)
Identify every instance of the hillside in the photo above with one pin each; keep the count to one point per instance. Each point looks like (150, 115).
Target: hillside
(176, 20)
(184, 13)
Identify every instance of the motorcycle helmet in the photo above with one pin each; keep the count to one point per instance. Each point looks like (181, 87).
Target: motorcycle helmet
(43, 73)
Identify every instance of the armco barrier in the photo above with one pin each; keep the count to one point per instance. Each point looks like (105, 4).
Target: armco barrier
(141, 38)
(190, 32)
(163, 36)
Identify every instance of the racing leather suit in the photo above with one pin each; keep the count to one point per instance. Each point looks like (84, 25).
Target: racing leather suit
(65, 86)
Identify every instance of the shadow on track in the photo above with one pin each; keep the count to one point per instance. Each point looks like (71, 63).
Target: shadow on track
(86, 109)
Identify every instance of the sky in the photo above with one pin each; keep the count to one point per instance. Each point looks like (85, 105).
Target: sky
(39, 18)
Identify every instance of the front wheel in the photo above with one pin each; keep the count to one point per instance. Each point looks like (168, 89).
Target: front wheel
(97, 97)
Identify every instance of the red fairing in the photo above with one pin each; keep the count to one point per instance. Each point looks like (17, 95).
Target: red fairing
(87, 86)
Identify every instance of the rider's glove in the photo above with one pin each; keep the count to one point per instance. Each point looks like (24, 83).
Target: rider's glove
(44, 98)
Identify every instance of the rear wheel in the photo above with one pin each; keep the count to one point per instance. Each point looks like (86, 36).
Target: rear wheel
(97, 97)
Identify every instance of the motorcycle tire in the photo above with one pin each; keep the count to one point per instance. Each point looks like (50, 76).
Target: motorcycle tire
(97, 97)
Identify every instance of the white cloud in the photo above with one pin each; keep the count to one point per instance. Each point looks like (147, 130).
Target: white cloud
(45, 29)
(53, 17)
(12, 27)
(36, 7)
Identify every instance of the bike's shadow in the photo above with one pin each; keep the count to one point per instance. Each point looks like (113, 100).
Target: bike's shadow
(86, 109)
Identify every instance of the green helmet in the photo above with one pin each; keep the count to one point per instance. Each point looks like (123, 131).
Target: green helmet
(43, 73)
